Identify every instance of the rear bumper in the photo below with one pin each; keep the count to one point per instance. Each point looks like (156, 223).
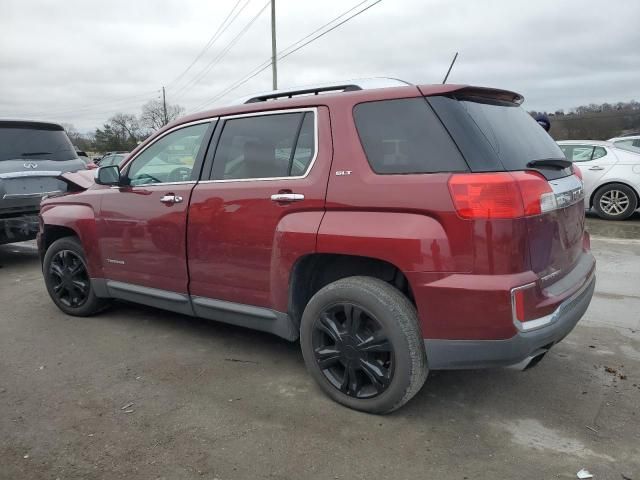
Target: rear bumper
(466, 354)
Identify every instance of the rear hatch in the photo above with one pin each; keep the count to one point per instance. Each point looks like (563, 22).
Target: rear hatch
(496, 135)
(32, 156)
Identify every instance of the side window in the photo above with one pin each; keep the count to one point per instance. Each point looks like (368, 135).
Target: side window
(169, 159)
(265, 146)
(578, 153)
(405, 136)
(598, 152)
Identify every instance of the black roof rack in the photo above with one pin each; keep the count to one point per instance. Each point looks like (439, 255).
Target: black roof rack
(305, 91)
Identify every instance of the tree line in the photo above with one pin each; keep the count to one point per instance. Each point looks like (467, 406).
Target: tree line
(123, 131)
(595, 121)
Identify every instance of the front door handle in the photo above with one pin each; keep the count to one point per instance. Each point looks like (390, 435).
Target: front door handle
(287, 197)
(596, 168)
(170, 198)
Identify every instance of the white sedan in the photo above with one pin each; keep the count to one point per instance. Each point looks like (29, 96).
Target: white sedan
(631, 143)
(611, 176)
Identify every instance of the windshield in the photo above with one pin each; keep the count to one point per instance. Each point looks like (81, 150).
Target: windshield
(33, 143)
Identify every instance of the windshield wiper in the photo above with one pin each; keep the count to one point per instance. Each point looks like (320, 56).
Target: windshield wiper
(29, 154)
(550, 162)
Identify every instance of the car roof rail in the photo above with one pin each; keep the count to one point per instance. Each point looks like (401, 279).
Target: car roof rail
(345, 86)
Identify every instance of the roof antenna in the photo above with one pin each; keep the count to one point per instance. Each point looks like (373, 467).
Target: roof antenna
(450, 67)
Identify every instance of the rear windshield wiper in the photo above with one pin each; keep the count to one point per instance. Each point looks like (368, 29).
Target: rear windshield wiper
(550, 162)
(29, 154)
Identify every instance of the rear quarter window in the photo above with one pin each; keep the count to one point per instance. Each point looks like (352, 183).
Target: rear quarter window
(405, 136)
(494, 135)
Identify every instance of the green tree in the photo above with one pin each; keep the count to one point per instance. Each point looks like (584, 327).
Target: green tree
(121, 132)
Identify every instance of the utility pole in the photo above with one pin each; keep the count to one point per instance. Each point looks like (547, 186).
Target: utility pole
(274, 66)
(164, 107)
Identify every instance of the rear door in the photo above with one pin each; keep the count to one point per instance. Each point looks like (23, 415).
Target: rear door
(593, 160)
(267, 167)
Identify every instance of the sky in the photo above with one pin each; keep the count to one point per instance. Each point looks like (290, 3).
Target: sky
(81, 61)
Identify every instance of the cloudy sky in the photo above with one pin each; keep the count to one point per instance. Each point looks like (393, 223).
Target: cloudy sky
(81, 61)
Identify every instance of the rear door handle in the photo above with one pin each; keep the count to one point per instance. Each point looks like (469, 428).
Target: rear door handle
(596, 168)
(287, 197)
(171, 198)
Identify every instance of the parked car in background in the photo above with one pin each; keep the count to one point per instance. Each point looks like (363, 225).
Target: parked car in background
(32, 156)
(611, 176)
(91, 165)
(392, 230)
(631, 143)
(112, 158)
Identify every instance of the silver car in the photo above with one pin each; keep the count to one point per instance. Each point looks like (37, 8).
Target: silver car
(611, 176)
(32, 156)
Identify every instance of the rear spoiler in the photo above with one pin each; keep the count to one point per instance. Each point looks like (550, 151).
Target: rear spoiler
(481, 93)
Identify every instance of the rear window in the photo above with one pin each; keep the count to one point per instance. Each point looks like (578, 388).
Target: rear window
(405, 136)
(35, 143)
(484, 128)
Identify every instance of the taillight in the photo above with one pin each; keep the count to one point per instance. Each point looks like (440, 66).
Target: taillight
(576, 171)
(501, 195)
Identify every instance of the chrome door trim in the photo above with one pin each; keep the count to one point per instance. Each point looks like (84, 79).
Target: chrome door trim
(263, 113)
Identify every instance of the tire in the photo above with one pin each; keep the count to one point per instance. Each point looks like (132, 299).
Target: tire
(395, 371)
(64, 257)
(615, 202)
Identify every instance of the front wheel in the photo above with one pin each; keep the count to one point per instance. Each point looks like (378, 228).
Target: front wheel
(361, 342)
(615, 202)
(67, 279)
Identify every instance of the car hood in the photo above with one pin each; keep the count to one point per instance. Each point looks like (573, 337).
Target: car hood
(78, 181)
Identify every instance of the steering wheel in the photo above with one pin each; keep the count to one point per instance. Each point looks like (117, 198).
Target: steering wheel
(180, 174)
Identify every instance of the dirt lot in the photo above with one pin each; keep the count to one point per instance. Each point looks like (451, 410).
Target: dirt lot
(138, 393)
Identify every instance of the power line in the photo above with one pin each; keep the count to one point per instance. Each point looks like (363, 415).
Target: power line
(226, 27)
(208, 45)
(260, 68)
(203, 73)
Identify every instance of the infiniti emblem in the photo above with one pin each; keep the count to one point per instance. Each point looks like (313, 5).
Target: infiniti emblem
(30, 165)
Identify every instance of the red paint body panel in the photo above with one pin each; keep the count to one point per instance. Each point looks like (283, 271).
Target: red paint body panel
(236, 232)
(230, 241)
(410, 241)
(141, 239)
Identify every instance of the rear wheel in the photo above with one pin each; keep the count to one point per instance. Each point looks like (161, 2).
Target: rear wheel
(615, 202)
(361, 342)
(67, 279)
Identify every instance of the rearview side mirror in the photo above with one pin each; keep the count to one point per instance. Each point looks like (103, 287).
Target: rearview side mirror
(108, 175)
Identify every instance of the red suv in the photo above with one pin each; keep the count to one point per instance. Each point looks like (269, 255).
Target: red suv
(391, 230)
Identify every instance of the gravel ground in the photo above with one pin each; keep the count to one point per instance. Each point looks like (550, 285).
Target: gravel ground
(139, 393)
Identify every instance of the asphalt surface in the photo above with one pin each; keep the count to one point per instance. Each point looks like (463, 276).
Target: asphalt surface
(138, 393)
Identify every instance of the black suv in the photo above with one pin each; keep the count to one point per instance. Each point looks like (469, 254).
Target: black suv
(32, 155)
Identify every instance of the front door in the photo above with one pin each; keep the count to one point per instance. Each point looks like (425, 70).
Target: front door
(143, 223)
(269, 176)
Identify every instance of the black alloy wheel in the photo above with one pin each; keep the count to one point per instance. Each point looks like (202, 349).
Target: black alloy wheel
(353, 351)
(69, 279)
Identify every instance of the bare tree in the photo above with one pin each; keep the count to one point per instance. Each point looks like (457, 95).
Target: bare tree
(152, 116)
(128, 124)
